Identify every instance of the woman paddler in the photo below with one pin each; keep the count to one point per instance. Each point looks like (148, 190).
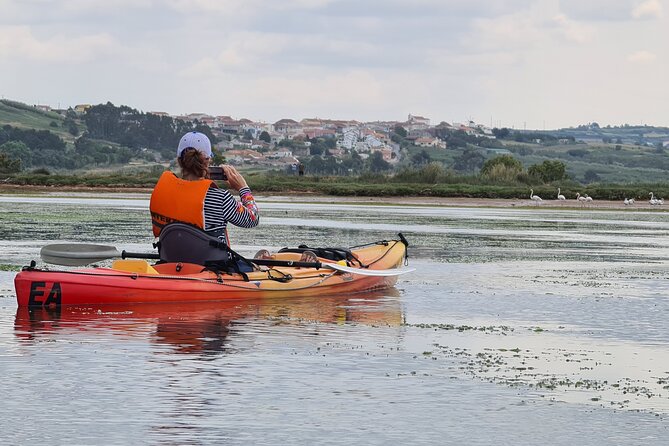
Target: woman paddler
(196, 199)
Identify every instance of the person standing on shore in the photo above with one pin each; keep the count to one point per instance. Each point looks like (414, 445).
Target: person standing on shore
(196, 199)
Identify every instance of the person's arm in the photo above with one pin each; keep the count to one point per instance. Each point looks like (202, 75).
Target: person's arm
(222, 205)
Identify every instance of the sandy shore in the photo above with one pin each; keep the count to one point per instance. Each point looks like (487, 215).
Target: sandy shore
(475, 202)
(303, 197)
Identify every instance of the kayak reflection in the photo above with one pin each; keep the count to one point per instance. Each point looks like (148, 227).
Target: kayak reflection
(203, 327)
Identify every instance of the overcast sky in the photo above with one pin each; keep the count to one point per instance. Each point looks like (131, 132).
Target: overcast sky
(515, 63)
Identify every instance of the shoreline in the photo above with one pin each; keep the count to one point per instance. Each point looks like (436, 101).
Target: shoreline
(308, 197)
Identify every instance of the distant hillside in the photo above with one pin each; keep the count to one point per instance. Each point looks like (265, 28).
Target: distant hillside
(641, 135)
(107, 137)
(17, 114)
(32, 138)
(103, 136)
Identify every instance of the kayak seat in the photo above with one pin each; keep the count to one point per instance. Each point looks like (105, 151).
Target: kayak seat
(134, 266)
(180, 242)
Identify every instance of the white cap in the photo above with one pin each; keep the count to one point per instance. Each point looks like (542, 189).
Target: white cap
(196, 140)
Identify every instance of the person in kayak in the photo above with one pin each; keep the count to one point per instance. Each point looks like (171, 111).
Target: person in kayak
(196, 199)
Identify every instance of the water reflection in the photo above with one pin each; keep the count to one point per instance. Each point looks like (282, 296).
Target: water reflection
(203, 328)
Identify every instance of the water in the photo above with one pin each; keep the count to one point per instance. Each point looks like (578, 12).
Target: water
(517, 324)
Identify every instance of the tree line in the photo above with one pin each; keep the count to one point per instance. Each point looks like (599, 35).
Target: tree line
(21, 148)
(113, 135)
(137, 130)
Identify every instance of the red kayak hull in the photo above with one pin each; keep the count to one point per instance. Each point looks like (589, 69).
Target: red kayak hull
(188, 283)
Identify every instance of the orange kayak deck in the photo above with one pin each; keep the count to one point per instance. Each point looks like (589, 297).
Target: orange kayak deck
(136, 281)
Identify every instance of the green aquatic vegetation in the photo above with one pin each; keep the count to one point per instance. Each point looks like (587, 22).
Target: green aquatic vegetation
(461, 328)
(9, 267)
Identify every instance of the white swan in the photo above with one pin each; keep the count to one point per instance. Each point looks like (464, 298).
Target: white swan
(628, 201)
(653, 201)
(535, 198)
(581, 199)
(588, 198)
(560, 197)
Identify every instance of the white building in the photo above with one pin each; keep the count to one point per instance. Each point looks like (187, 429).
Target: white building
(350, 139)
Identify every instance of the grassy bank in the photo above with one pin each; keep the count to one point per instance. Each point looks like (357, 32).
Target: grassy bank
(375, 186)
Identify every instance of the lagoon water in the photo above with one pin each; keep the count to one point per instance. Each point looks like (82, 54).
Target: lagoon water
(520, 326)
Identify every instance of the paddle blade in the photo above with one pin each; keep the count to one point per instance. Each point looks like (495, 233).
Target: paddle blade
(368, 272)
(77, 254)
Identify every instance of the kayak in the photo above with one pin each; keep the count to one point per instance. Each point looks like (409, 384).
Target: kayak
(137, 281)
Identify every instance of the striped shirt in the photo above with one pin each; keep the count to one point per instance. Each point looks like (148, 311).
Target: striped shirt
(220, 207)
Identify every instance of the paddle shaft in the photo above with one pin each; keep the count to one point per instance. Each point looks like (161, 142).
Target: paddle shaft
(265, 262)
(71, 256)
(270, 262)
(139, 255)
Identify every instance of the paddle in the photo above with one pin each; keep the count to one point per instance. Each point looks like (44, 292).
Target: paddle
(78, 254)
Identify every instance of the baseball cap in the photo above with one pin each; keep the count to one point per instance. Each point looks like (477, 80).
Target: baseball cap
(196, 140)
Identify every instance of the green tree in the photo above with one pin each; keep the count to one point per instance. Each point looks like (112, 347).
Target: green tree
(506, 160)
(460, 139)
(376, 163)
(433, 172)
(264, 136)
(71, 126)
(248, 135)
(469, 161)
(501, 133)
(421, 158)
(548, 171)
(137, 130)
(316, 149)
(16, 151)
(218, 158)
(401, 131)
(591, 176)
(8, 164)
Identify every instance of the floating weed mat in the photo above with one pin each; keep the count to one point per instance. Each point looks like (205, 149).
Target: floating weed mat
(9, 267)
(486, 329)
(580, 376)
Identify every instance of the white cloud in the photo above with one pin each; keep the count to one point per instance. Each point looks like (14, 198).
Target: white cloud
(363, 59)
(244, 7)
(42, 11)
(572, 30)
(648, 9)
(534, 27)
(101, 5)
(353, 88)
(642, 57)
(19, 42)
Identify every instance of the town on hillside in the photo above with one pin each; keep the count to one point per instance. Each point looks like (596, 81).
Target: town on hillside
(105, 135)
(284, 142)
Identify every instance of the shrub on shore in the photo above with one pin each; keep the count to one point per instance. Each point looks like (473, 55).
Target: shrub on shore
(427, 181)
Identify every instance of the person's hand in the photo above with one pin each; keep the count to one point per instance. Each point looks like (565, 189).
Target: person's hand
(235, 179)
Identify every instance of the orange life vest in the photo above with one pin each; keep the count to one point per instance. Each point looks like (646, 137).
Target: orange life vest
(177, 200)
